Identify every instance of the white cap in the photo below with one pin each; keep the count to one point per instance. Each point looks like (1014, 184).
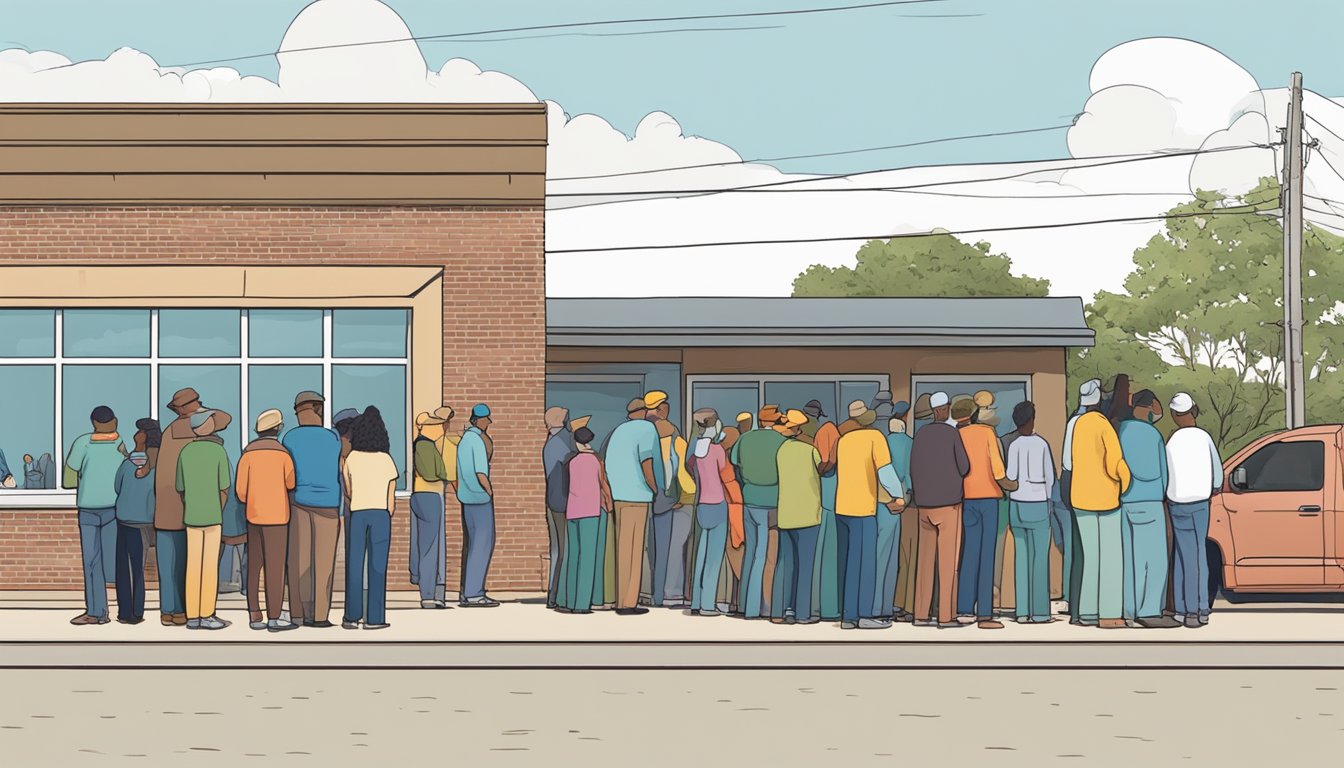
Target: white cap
(938, 400)
(1182, 403)
(1089, 393)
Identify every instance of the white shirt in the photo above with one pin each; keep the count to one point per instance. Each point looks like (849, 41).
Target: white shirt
(1194, 468)
(1032, 466)
(1066, 461)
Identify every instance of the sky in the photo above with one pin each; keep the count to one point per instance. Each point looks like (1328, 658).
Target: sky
(644, 101)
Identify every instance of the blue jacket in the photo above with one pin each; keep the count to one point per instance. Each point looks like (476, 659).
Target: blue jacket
(1146, 454)
(317, 466)
(135, 495)
(901, 445)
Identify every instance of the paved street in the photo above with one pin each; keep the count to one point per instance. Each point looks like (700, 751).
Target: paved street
(334, 717)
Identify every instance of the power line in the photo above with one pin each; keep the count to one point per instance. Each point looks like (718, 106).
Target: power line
(816, 154)
(903, 235)
(570, 25)
(774, 186)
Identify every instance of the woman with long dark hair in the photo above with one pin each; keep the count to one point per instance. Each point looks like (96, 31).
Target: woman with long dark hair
(370, 482)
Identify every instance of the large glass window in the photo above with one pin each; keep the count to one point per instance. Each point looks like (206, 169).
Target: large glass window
(604, 400)
(733, 395)
(133, 360)
(1006, 392)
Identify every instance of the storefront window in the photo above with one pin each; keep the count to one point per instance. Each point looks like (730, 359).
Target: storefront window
(1006, 391)
(274, 386)
(106, 333)
(27, 403)
(605, 401)
(219, 387)
(284, 332)
(27, 333)
(730, 395)
(384, 386)
(199, 333)
(369, 332)
(123, 388)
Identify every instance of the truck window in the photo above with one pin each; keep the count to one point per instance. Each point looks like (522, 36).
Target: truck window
(1288, 466)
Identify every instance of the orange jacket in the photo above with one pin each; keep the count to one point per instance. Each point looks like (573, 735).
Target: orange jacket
(265, 478)
(737, 527)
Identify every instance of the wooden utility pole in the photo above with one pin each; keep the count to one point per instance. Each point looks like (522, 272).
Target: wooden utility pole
(1293, 372)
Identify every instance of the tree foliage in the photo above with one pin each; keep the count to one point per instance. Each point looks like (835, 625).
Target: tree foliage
(934, 265)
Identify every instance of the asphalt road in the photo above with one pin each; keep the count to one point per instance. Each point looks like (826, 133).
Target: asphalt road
(784, 718)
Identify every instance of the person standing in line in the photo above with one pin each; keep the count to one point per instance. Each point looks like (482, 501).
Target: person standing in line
(93, 460)
(588, 493)
(476, 494)
(203, 481)
(907, 544)
(826, 567)
(1099, 476)
(264, 481)
(429, 479)
(341, 423)
(799, 523)
(633, 475)
(1143, 525)
(1195, 473)
(754, 456)
(671, 517)
(863, 465)
(170, 535)
(315, 512)
(135, 522)
(938, 466)
(1070, 541)
(889, 530)
(555, 453)
(717, 489)
(983, 486)
(370, 484)
(731, 573)
(1032, 468)
(448, 450)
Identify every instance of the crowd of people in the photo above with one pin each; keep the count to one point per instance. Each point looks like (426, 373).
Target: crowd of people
(284, 501)
(789, 516)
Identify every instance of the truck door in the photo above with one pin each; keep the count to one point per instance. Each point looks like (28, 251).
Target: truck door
(1276, 511)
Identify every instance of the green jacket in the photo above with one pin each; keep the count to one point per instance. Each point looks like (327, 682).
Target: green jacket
(202, 472)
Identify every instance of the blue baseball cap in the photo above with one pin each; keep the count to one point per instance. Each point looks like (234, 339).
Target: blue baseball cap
(480, 411)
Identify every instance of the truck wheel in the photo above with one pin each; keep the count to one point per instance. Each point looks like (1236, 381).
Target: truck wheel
(1215, 573)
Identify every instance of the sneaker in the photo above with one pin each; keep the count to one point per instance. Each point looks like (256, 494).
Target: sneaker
(1044, 620)
(432, 604)
(848, 625)
(631, 611)
(1024, 620)
(965, 619)
(281, 626)
(324, 624)
(83, 619)
(924, 623)
(214, 622)
(1193, 623)
(377, 626)
(874, 624)
(193, 623)
(1203, 618)
(989, 624)
(259, 624)
(950, 625)
(347, 624)
(479, 602)
(812, 620)
(307, 622)
(1158, 622)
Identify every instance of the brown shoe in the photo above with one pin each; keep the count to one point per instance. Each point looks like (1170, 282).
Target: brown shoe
(166, 619)
(179, 619)
(84, 619)
(990, 624)
(1111, 624)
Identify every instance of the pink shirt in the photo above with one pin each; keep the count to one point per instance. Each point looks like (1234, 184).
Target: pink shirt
(707, 474)
(585, 487)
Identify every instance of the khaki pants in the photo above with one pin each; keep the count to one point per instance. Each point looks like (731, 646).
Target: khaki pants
(631, 520)
(908, 561)
(313, 533)
(202, 570)
(939, 544)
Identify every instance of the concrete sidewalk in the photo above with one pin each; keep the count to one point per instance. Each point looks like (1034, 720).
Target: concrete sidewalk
(35, 632)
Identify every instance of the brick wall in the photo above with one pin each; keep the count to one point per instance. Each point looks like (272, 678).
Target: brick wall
(494, 338)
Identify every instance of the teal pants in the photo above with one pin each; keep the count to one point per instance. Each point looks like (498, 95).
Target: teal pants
(826, 571)
(1101, 594)
(1030, 522)
(888, 534)
(1143, 531)
(582, 558)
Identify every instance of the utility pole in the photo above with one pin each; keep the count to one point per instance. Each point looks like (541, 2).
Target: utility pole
(1293, 372)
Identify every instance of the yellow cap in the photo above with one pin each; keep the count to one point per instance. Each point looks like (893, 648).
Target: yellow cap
(794, 418)
(655, 398)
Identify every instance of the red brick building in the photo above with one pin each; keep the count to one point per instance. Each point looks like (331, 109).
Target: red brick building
(381, 254)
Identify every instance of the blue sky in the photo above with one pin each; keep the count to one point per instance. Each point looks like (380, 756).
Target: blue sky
(817, 83)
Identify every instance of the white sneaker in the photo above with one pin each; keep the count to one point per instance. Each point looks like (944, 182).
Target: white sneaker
(213, 622)
(280, 625)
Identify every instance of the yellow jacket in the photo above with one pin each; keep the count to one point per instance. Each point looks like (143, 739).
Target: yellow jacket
(1100, 473)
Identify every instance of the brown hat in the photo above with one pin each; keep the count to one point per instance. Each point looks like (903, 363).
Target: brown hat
(922, 408)
(183, 397)
(963, 409)
(769, 416)
(867, 418)
(636, 405)
(308, 396)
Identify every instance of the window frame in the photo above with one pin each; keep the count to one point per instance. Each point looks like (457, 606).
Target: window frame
(883, 381)
(60, 498)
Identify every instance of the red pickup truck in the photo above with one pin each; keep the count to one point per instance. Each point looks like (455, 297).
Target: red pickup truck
(1277, 525)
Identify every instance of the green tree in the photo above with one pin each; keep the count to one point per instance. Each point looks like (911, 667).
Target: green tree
(933, 265)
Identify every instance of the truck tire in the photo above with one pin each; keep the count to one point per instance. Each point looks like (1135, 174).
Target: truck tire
(1215, 572)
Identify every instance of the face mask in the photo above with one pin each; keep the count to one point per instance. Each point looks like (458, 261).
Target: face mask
(711, 431)
(1153, 418)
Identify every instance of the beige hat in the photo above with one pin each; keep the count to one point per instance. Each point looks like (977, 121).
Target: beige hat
(444, 412)
(857, 408)
(269, 419)
(427, 420)
(984, 398)
(579, 422)
(794, 418)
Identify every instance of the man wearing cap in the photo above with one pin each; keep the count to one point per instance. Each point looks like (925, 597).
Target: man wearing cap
(555, 453)
(824, 437)
(889, 524)
(671, 516)
(983, 486)
(1143, 523)
(1195, 473)
(341, 423)
(93, 459)
(264, 481)
(755, 457)
(448, 450)
(170, 535)
(731, 582)
(938, 466)
(863, 473)
(907, 544)
(1064, 526)
(633, 474)
(203, 479)
(1099, 477)
(799, 522)
(429, 478)
(315, 512)
(477, 496)
(883, 408)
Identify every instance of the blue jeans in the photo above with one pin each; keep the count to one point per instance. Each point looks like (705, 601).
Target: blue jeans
(1061, 531)
(368, 538)
(93, 530)
(170, 554)
(1143, 531)
(793, 572)
(130, 572)
(1190, 572)
(709, 552)
(826, 572)
(1030, 521)
(756, 521)
(975, 577)
(888, 535)
(478, 547)
(856, 546)
(660, 550)
(429, 555)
